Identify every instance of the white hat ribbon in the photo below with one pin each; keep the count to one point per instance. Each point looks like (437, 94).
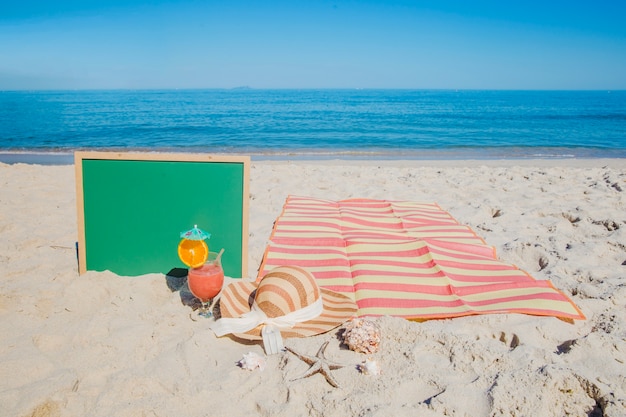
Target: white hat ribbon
(256, 316)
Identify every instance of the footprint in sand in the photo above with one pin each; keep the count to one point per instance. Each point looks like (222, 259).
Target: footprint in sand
(529, 253)
(609, 225)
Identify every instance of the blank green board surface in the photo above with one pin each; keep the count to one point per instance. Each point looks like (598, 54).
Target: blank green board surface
(133, 207)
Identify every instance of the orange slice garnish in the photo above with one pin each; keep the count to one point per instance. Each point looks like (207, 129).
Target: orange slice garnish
(193, 253)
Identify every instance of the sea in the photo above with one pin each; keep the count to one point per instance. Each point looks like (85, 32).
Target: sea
(316, 124)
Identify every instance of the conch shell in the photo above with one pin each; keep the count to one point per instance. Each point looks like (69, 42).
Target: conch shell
(362, 335)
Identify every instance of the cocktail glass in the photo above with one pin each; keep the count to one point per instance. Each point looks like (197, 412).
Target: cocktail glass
(206, 281)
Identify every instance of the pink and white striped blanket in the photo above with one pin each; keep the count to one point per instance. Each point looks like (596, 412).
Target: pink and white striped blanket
(405, 259)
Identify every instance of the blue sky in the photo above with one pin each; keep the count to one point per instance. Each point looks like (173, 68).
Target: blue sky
(91, 44)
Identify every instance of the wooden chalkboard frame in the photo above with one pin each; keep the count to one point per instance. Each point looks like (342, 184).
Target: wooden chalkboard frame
(106, 195)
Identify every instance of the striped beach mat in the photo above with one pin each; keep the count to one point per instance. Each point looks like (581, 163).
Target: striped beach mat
(405, 259)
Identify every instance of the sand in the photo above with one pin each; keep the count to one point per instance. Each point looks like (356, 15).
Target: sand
(104, 345)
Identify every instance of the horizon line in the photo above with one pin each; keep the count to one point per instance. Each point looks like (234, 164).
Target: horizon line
(247, 88)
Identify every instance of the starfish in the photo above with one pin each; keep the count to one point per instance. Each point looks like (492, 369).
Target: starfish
(319, 364)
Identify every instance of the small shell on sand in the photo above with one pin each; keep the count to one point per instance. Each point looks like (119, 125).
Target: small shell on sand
(252, 361)
(369, 367)
(362, 335)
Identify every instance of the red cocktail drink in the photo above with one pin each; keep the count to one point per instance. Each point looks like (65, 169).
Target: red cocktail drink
(206, 282)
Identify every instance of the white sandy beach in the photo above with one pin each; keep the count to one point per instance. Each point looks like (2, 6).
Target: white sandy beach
(104, 345)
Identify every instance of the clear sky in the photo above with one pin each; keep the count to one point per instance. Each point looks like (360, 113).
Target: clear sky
(432, 44)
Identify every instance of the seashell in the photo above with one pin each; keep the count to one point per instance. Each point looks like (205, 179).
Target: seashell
(362, 335)
(252, 361)
(369, 367)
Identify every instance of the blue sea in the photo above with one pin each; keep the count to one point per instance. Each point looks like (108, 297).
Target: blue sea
(318, 124)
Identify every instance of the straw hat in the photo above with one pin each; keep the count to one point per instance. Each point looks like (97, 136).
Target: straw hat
(288, 298)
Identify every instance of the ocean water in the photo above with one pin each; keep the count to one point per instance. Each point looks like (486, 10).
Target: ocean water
(301, 124)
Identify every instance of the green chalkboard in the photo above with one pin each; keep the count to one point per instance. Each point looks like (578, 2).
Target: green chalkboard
(132, 208)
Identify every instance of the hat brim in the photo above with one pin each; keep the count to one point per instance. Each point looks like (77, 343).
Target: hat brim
(237, 299)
